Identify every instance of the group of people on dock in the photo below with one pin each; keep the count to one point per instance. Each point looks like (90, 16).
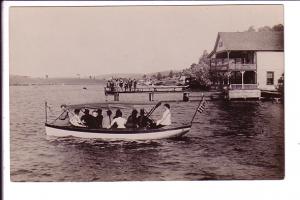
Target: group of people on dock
(95, 118)
(119, 84)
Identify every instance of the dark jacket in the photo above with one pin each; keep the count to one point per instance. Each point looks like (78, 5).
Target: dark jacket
(88, 120)
(132, 122)
(99, 119)
(144, 121)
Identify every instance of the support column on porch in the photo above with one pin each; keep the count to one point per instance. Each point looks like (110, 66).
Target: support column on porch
(242, 79)
(228, 52)
(228, 78)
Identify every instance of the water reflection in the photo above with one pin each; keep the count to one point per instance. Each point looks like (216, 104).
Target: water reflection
(111, 161)
(229, 140)
(239, 118)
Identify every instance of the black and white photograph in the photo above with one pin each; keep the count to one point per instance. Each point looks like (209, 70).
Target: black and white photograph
(150, 100)
(146, 93)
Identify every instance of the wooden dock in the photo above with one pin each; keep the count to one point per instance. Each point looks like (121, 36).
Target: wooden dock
(150, 90)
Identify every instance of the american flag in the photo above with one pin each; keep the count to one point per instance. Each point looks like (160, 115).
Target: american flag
(201, 106)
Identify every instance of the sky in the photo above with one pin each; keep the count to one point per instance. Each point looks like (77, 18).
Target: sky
(67, 41)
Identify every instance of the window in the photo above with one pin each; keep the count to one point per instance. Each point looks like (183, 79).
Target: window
(270, 78)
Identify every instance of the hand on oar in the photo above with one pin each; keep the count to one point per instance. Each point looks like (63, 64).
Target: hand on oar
(152, 110)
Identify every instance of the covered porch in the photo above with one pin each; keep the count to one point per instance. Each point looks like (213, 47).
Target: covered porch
(242, 85)
(239, 73)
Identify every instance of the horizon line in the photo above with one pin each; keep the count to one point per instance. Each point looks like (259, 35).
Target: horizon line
(87, 76)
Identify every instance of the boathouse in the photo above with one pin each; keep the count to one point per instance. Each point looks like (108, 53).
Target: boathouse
(248, 62)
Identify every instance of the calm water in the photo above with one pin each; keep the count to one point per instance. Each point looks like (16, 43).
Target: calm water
(230, 140)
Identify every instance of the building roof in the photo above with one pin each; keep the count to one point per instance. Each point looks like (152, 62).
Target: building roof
(251, 41)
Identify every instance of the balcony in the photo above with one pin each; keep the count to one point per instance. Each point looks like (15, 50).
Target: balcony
(232, 64)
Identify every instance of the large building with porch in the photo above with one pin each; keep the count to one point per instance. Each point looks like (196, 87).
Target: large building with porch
(248, 62)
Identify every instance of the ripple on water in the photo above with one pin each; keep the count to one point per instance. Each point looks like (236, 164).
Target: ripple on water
(229, 140)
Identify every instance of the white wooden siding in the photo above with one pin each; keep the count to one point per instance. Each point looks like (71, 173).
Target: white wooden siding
(269, 61)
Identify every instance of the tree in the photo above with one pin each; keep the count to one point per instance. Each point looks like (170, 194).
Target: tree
(204, 54)
(218, 77)
(278, 27)
(202, 76)
(158, 76)
(199, 74)
(193, 66)
(171, 74)
(251, 29)
(204, 58)
(264, 28)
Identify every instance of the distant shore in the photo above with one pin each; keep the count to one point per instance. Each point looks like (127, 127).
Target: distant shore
(46, 84)
(28, 81)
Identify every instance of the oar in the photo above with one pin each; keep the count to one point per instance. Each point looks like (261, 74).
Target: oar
(67, 110)
(154, 108)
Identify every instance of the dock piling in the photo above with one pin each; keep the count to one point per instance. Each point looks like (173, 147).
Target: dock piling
(186, 96)
(151, 96)
(116, 96)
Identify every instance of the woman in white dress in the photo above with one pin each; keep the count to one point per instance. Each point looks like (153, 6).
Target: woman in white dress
(118, 120)
(107, 119)
(75, 119)
(166, 118)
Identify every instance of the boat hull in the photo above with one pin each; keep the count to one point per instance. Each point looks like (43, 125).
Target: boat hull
(115, 134)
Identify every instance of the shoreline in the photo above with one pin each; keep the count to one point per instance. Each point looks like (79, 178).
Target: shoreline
(47, 84)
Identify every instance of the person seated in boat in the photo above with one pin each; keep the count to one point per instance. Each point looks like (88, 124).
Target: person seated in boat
(64, 118)
(94, 120)
(107, 119)
(115, 125)
(99, 118)
(116, 114)
(118, 120)
(65, 112)
(87, 119)
(144, 121)
(166, 117)
(75, 119)
(132, 121)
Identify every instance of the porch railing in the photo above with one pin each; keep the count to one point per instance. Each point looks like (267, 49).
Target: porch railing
(232, 64)
(243, 86)
(239, 67)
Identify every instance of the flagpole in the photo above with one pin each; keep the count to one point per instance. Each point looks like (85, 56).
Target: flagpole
(46, 111)
(197, 108)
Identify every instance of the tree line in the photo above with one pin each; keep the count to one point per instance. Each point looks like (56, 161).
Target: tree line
(277, 27)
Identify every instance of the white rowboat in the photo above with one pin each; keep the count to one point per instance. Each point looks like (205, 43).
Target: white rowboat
(117, 134)
(53, 129)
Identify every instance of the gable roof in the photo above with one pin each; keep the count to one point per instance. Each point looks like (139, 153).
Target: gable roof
(251, 41)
